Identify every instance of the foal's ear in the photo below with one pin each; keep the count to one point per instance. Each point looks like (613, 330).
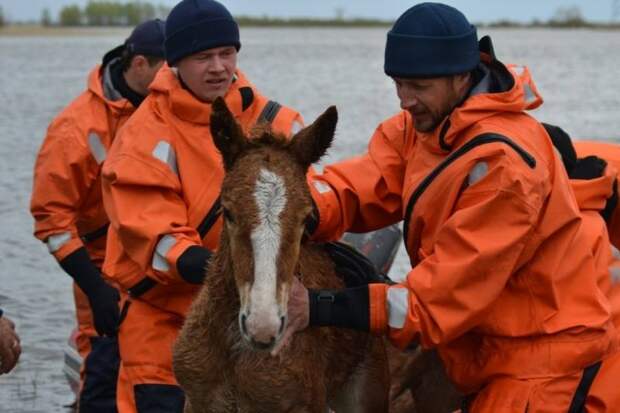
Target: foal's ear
(226, 132)
(310, 143)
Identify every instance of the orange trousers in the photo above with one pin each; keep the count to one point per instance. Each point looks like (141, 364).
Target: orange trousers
(554, 395)
(146, 382)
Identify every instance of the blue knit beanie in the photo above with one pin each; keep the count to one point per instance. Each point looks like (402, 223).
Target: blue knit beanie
(196, 25)
(147, 39)
(431, 40)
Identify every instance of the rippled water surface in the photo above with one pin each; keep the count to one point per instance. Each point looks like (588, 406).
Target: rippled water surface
(308, 69)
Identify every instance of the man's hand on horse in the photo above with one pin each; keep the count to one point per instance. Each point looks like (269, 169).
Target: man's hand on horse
(298, 314)
(10, 348)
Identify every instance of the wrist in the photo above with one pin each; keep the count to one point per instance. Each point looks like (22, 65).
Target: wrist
(192, 264)
(348, 308)
(85, 274)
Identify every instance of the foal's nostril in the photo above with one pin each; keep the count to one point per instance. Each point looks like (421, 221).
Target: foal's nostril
(282, 324)
(244, 329)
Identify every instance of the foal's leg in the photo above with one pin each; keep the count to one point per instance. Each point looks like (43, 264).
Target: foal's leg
(367, 390)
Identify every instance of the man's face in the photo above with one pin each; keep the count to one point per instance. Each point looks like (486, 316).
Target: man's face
(209, 74)
(428, 100)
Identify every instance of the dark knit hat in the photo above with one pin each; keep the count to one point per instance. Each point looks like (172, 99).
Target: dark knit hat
(431, 40)
(196, 25)
(147, 39)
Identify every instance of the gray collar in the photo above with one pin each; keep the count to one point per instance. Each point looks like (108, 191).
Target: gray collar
(109, 91)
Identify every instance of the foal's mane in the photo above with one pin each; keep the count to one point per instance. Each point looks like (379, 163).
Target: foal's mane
(262, 135)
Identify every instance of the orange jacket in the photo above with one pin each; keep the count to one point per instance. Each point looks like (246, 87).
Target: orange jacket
(66, 196)
(611, 154)
(161, 180)
(501, 282)
(595, 194)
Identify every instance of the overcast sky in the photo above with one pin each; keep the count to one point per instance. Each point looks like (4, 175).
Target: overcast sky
(475, 10)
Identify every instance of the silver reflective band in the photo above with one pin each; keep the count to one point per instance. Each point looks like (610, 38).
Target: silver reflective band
(398, 306)
(160, 263)
(96, 147)
(615, 252)
(614, 272)
(321, 186)
(164, 152)
(56, 241)
(518, 70)
(478, 172)
(297, 126)
(529, 95)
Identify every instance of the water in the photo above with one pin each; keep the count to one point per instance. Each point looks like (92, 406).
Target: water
(308, 69)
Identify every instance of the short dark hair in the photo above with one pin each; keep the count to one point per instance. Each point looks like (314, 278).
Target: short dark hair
(127, 56)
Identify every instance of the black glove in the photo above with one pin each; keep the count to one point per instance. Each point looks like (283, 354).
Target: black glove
(590, 167)
(102, 297)
(354, 268)
(192, 264)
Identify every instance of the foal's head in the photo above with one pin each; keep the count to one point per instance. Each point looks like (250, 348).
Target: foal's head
(265, 202)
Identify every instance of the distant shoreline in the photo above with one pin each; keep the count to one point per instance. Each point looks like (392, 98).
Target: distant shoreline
(36, 29)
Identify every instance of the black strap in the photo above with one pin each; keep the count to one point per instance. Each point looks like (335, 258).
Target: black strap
(247, 97)
(483, 139)
(578, 405)
(96, 234)
(270, 111)
(142, 287)
(210, 219)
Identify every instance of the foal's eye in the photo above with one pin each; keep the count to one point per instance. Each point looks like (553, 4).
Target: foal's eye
(227, 215)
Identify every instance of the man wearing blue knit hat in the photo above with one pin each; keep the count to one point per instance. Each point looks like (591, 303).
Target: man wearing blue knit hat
(503, 281)
(161, 184)
(66, 200)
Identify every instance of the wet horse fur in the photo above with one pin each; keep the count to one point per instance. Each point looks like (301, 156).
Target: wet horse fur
(218, 361)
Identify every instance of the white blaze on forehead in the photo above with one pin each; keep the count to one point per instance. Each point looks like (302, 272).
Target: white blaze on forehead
(270, 196)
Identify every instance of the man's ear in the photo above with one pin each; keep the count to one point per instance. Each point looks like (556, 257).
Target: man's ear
(226, 132)
(311, 143)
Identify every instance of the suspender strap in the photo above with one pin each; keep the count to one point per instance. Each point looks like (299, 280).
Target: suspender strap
(578, 405)
(270, 111)
(141, 287)
(96, 234)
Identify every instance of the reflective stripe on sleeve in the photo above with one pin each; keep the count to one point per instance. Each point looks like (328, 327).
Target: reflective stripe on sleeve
(160, 263)
(614, 273)
(96, 147)
(398, 306)
(164, 152)
(56, 241)
(321, 186)
(477, 173)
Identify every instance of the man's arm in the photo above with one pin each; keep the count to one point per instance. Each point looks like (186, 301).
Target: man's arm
(363, 193)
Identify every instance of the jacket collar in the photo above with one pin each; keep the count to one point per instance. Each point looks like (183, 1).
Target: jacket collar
(96, 82)
(188, 107)
(499, 89)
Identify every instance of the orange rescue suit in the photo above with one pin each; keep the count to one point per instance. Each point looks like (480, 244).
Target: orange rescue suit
(503, 282)
(66, 196)
(160, 183)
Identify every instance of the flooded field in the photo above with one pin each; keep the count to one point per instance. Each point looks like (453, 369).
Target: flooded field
(308, 69)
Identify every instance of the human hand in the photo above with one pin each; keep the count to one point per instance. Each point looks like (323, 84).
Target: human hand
(298, 314)
(352, 266)
(104, 305)
(10, 348)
